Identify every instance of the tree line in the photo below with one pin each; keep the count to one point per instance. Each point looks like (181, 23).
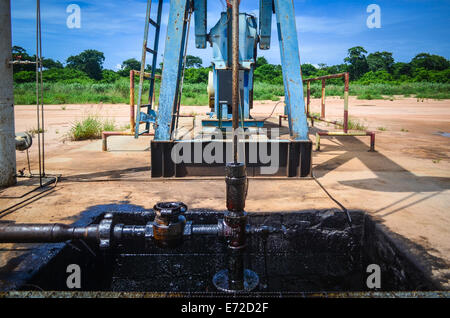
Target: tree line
(364, 68)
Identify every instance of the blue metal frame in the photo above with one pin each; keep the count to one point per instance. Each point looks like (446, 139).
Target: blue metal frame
(265, 23)
(290, 62)
(200, 9)
(171, 74)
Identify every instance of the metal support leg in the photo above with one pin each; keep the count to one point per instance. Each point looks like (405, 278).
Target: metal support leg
(290, 61)
(173, 60)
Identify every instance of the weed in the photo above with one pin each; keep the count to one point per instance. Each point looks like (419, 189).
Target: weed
(90, 127)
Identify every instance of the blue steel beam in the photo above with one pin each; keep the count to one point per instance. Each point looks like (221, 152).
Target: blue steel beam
(173, 60)
(290, 62)
(200, 8)
(265, 23)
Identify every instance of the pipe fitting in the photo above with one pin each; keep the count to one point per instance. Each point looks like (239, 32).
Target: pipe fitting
(237, 185)
(169, 223)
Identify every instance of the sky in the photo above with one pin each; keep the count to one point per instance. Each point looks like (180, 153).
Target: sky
(326, 28)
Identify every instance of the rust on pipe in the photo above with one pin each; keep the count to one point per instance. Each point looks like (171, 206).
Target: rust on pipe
(322, 113)
(308, 98)
(235, 76)
(346, 89)
(132, 115)
(325, 77)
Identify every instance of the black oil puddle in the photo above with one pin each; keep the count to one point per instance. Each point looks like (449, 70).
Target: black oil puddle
(312, 251)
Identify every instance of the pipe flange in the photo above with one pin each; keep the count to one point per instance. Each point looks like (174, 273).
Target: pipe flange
(105, 229)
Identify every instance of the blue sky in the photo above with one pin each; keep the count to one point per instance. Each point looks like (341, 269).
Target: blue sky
(326, 28)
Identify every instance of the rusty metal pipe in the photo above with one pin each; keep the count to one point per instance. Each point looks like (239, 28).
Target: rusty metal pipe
(132, 115)
(325, 77)
(235, 76)
(322, 113)
(308, 98)
(45, 233)
(346, 91)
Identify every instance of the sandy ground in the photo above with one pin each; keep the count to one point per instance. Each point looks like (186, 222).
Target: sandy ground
(405, 184)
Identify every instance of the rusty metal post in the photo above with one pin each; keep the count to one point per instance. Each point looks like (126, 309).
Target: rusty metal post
(347, 81)
(7, 131)
(322, 114)
(308, 98)
(317, 142)
(235, 76)
(132, 118)
(372, 141)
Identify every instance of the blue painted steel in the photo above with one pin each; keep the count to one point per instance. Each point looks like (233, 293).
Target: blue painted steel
(290, 62)
(247, 40)
(149, 118)
(173, 59)
(200, 9)
(265, 23)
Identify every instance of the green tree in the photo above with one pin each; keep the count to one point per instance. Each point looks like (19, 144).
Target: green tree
(269, 73)
(50, 64)
(109, 76)
(308, 70)
(193, 61)
(128, 65)
(260, 61)
(20, 54)
(196, 75)
(379, 61)
(402, 69)
(430, 62)
(88, 61)
(357, 62)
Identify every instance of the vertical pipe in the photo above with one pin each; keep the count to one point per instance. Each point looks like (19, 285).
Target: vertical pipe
(132, 120)
(347, 80)
(7, 131)
(372, 141)
(308, 98)
(317, 142)
(322, 115)
(235, 76)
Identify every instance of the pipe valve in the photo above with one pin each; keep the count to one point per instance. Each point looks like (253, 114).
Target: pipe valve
(169, 223)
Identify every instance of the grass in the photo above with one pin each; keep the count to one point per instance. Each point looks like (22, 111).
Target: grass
(382, 128)
(90, 127)
(195, 94)
(354, 124)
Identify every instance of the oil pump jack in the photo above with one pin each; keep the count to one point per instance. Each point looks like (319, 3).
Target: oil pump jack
(226, 89)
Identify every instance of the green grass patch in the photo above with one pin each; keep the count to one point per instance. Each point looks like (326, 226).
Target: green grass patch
(90, 127)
